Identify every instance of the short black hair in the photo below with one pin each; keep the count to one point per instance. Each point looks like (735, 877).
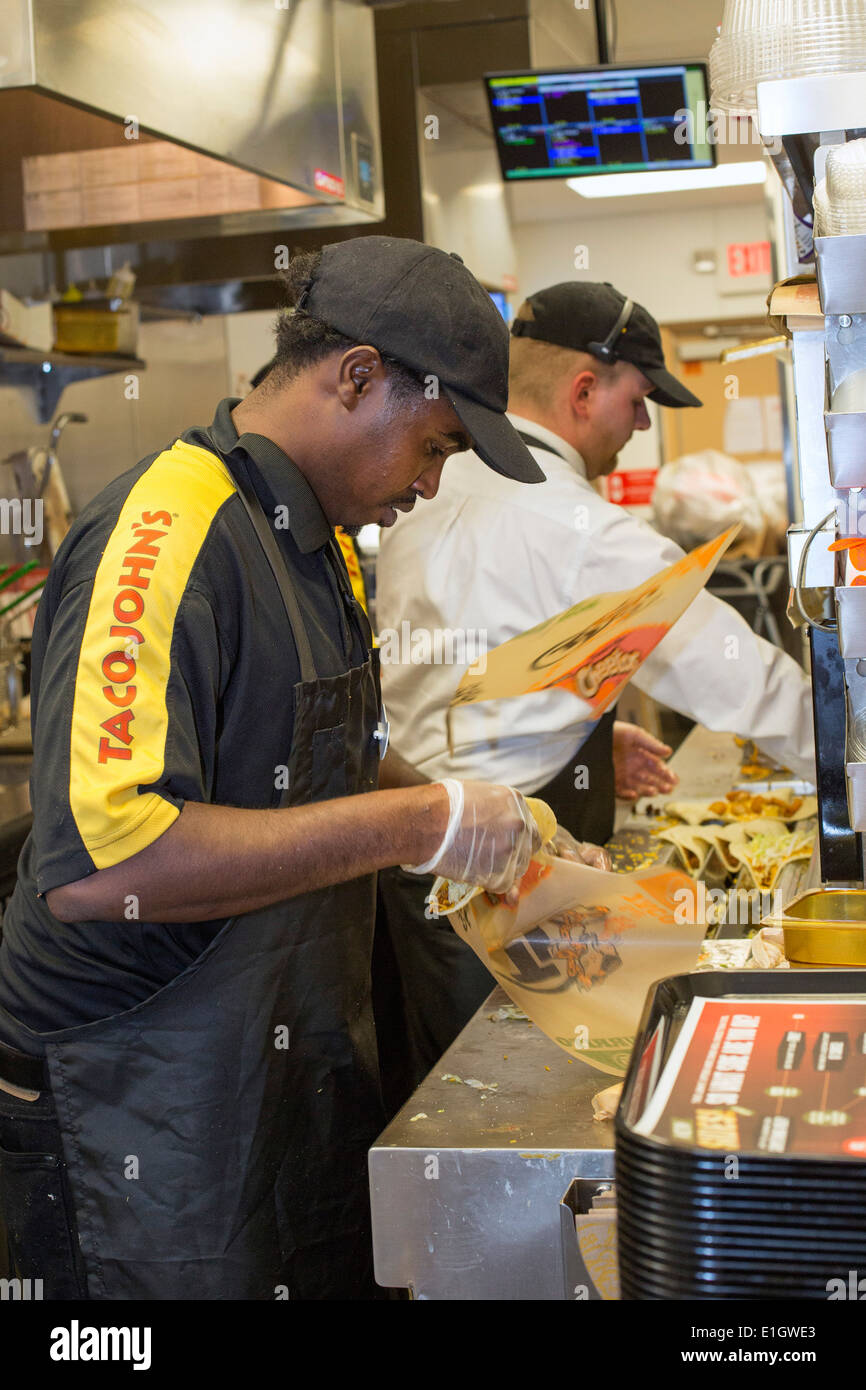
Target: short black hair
(303, 341)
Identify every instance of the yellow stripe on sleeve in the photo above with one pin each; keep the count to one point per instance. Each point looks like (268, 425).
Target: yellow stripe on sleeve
(119, 716)
(350, 555)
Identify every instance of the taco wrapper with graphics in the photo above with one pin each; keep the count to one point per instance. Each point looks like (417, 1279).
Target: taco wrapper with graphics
(594, 648)
(581, 948)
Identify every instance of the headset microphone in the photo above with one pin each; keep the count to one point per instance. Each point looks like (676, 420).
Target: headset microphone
(606, 351)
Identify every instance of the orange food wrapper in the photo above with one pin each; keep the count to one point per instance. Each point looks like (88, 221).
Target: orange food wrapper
(581, 948)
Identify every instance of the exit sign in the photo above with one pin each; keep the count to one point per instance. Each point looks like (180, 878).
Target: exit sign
(748, 258)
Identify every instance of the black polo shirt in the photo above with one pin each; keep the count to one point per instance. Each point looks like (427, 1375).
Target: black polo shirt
(163, 671)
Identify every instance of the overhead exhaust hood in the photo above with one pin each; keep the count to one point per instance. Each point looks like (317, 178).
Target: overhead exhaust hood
(283, 89)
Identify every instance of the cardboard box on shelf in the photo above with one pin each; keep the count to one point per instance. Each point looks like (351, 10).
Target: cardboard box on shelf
(50, 173)
(111, 204)
(160, 159)
(149, 182)
(117, 165)
(165, 198)
(51, 211)
(25, 325)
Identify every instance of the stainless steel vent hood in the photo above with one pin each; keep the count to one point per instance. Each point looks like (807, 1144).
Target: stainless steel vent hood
(284, 90)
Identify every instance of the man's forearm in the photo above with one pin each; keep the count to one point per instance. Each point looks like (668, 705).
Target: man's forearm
(216, 861)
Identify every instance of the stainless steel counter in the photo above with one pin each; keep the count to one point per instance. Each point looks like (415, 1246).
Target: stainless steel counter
(466, 1199)
(466, 1181)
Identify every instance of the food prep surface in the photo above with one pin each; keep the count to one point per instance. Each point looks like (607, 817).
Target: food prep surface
(467, 1179)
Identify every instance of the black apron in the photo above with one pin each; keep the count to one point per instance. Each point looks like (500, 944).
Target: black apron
(216, 1134)
(588, 811)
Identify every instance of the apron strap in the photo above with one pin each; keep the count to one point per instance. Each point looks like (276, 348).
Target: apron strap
(279, 569)
(356, 612)
(532, 442)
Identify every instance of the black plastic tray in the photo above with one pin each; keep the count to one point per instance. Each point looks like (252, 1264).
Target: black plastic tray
(785, 1226)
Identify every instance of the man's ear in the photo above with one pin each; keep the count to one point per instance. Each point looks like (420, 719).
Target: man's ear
(583, 388)
(359, 369)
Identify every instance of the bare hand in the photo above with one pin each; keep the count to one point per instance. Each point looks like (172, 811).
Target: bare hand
(638, 763)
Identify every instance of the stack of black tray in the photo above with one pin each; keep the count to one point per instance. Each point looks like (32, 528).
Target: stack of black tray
(695, 1223)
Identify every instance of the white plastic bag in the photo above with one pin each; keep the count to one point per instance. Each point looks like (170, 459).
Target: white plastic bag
(699, 495)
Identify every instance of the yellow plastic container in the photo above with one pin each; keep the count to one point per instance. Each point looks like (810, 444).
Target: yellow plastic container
(83, 329)
(826, 926)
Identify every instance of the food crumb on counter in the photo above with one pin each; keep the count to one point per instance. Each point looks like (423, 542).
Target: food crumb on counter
(420, 1116)
(508, 1013)
(470, 1081)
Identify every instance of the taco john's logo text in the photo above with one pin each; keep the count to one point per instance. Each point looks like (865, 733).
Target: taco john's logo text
(119, 665)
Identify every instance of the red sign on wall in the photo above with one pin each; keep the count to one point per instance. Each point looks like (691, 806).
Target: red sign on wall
(748, 258)
(632, 487)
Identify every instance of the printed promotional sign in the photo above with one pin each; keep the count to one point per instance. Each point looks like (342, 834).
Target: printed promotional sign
(770, 1076)
(594, 648)
(581, 948)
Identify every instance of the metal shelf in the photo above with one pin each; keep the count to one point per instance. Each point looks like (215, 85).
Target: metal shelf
(856, 795)
(841, 267)
(851, 615)
(846, 447)
(49, 373)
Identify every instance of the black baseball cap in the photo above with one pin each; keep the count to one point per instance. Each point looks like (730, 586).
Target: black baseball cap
(423, 307)
(583, 314)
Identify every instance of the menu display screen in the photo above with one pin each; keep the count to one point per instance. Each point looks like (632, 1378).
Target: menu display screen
(601, 121)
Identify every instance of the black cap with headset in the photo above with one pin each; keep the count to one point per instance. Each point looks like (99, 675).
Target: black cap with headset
(596, 318)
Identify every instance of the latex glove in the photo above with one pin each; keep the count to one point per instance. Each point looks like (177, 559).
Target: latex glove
(565, 846)
(639, 769)
(490, 839)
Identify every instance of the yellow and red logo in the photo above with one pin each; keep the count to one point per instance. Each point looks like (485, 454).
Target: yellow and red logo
(119, 666)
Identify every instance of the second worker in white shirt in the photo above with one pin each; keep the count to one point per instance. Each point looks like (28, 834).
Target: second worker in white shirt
(487, 559)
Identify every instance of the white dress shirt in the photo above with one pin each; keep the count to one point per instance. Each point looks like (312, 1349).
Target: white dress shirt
(492, 556)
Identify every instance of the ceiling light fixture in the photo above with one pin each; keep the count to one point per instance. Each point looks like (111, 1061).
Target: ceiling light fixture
(748, 171)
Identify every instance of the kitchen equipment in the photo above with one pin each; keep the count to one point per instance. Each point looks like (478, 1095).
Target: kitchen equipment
(762, 40)
(24, 601)
(824, 927)
(42, 489)
(11, 674)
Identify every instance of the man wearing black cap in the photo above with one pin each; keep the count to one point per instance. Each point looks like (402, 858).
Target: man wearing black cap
(188, 1072)
(490, 556)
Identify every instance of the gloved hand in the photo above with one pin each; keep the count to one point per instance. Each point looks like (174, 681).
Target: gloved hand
(490, 839)
(638, 763)
(565, 846)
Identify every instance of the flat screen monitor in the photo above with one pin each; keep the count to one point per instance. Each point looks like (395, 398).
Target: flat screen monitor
(563, 124)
